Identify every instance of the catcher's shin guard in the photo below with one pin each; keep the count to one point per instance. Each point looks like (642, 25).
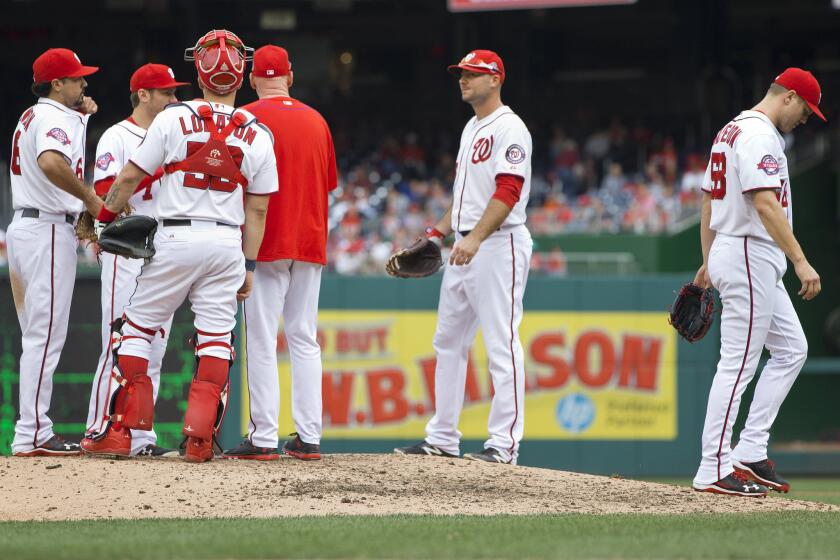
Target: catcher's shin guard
(131, 403)
(209, 390)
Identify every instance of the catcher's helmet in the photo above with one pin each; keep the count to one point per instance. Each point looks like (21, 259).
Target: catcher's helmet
(220, 58)
(130, 236)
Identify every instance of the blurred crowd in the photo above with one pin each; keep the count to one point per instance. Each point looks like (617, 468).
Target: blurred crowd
(392, 186)
(613, 180)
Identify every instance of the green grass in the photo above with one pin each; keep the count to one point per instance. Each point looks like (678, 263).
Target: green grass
(776, 535)
(826, 490)
(770, 535)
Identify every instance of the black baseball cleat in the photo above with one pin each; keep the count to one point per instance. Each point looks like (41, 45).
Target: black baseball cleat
(55, 446)
(247, 450)
(423, 448)
(153, 450)
(299, 449)
(489, 455)
(735, 484)
(763, 472)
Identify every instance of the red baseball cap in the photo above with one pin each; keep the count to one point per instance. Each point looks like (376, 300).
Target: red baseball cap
(55, 64)
(271, 62)
(485, 62)
(805, 85)
(154, 76)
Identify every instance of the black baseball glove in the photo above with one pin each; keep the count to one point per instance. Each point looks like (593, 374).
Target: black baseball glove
(693, 312)
(130, 236)
(421, 258)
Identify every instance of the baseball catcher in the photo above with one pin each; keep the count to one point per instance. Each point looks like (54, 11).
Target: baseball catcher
(421, 258)
(692, 312)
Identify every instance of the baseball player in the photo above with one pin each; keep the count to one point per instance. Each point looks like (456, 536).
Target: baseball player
(211, 155)
(152, 88)
(48, 193)
(746, 232)
(287, 280)
(488, 266)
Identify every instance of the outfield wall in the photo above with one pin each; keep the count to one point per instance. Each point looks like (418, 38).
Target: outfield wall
(610, 388)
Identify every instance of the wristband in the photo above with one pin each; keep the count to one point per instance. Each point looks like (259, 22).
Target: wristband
(106, 215)
(250, 265)
(434, 232)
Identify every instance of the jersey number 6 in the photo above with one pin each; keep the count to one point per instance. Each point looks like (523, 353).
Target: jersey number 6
(200, 181)
(718, 175)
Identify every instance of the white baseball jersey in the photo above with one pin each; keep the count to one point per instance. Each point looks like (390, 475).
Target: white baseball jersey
(112, 152)
(747, 156)
(498, 144)
(47, 125)
(177, 132)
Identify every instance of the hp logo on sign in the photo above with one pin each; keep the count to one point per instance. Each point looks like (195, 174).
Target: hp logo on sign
(575, 413)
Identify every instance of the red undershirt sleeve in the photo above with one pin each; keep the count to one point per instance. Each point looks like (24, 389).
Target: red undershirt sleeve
(508, 189)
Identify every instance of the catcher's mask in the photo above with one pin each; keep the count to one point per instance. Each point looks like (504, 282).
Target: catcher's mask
(220, 58)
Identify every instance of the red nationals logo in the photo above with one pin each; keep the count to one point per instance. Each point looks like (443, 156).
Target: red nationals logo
(769, 165)
(482, 150)
(59, 135)
(103, 161)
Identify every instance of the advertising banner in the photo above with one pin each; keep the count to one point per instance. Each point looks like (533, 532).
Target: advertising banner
(589, 376)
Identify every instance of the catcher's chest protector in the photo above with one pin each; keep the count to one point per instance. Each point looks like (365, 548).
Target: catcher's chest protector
(213, 158)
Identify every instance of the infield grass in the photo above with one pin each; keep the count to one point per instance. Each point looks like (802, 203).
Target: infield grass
(772, 535)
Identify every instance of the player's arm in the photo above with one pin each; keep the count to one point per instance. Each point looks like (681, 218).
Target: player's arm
(775, 222)
(508, 189)
(122, 189)
(444, 225)
(707, 237)
(256, 209)
(55, 167)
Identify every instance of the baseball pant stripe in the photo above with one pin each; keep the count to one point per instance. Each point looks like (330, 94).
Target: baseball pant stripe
(512, 334)
(105, 363)
(49, 336)
(253, 427)
(743, 362)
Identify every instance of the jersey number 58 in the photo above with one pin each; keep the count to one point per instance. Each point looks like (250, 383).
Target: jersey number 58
(718, 175)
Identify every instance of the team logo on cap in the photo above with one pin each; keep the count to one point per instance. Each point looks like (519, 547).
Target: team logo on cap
(171, 73)
(515, 154)
(269, 72)
(769, 165)
(103, 161)
(60, 135)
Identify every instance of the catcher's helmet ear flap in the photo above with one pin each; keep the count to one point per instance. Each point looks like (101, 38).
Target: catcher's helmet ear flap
(220, 58)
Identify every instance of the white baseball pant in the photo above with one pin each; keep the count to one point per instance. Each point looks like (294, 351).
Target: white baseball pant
(757, 313)
(42, 267)
(202, 262)
(119, 279)
(289, 289)
(487, 293)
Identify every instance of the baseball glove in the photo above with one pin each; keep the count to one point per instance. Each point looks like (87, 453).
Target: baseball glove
(130, 236)
(693, 312)
(421, 258)
(84, 225)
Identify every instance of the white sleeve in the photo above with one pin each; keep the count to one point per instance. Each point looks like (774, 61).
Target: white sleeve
(152, 150)
(706, 185)
(758, 163)
(512, 152)
(110, 154)
(53, 133)
(265, 178)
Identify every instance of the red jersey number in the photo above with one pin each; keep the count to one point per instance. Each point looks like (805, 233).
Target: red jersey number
(718, 175)
(198, 181)
(16, 154)
(80, 172)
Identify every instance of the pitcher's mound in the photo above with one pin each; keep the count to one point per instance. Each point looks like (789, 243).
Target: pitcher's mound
(92, 488)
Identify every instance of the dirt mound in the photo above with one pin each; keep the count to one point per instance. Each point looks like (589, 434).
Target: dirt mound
(95, 488)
